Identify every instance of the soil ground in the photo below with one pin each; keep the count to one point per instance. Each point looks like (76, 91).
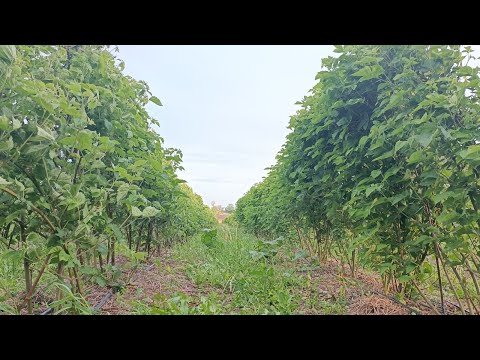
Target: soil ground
(362, 295)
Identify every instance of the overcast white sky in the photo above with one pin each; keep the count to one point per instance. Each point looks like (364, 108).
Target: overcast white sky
(225, 107)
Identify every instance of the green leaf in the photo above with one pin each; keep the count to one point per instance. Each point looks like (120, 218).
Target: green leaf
(208, 237)
(68, 140)
(395, 199)
(416, 157)
(369, 72)
(150, 211)
(445, 133)
(386, 155)
(136, 212)
(84, 140)
(16, 124)
(301, 254)
(6, 145)
(98, 164)
(447, 217)
(400, 144)
(442, 196)
(362, 141)
(404, 278)
(4, 182)
(156, 100)
(102, 249)
(471, 153)
(76, 201)
(395, 99)
(375, 173)
(44, 134)
(139, 163)
(425, 138)
(410, 268)
(100, 281)
(36, 148)
(427, 268)
(379, 247)
(12, 255)
(75, 88)
(392, 171)
(63, 256)
(4, 123)
(117, 232)
(140, 255)
(122, 191)
(370, 189)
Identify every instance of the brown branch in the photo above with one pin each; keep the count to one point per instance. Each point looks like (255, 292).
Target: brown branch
(76, 169)
(34, 286)
(425, 298)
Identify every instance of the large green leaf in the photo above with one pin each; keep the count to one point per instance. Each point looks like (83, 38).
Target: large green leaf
(415, 157)
(156, 100)
(4, 123)
(4, 182)
(150, 211)
(44, 134)
(122, 191)
(7, 144)
(400, 144)
(369, 72)
(472, 152)
(136, 212)
(84, 140)
(425, 138)
(447, 217)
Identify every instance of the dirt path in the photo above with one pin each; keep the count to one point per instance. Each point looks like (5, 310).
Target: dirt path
(163, 276)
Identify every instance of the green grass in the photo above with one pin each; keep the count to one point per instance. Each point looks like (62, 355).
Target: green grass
(179, 304)
(254, 276)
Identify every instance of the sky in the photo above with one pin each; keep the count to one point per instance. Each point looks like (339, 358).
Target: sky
(226, 107)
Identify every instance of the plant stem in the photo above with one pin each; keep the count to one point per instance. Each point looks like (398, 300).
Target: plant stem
(35, 283)
(451, 285)
(439, 277)
(425, 298)
(465, 291)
